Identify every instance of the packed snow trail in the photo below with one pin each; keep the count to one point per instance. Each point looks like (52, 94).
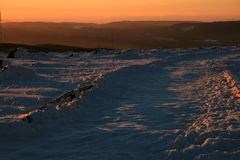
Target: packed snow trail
(183, 106)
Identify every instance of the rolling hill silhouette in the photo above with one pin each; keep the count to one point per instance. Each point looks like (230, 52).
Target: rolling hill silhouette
(124, 34)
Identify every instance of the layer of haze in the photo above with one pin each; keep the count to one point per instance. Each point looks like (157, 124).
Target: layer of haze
(101, 11)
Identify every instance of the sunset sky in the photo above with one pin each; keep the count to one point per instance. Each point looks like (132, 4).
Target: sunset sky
(101, 11)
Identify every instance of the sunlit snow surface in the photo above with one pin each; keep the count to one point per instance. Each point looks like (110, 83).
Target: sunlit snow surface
(176, 104)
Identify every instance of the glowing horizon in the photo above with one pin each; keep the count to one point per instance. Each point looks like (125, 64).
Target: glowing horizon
(111, 10)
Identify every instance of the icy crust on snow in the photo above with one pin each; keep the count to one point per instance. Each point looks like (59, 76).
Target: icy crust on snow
(150, 104)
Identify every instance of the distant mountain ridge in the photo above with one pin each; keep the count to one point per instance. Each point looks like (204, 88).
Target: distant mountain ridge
(124, 34)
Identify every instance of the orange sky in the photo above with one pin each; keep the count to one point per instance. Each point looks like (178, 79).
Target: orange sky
(102, 11)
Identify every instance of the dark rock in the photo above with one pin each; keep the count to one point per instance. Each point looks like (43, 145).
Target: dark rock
(1, 64)
(72, 96)
(29, 119)
(2, 67)
(11, 54)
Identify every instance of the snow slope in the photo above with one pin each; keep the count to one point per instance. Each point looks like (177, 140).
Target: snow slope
(149, 104)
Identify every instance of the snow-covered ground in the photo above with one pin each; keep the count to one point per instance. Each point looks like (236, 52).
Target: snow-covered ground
(138, 104)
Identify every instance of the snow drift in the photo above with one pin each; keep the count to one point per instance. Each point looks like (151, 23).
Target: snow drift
(148, 104)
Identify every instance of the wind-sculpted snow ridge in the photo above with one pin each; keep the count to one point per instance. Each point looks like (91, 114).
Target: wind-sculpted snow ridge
(33, 81)
(62, 100)
(214, 129)
(233, 82)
